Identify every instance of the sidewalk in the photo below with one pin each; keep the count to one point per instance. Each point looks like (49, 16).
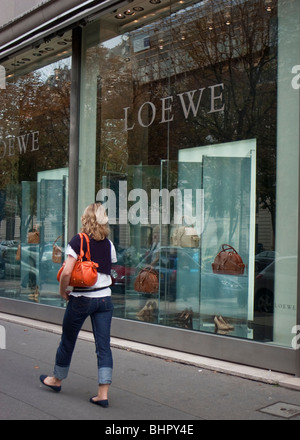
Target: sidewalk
(149, 383)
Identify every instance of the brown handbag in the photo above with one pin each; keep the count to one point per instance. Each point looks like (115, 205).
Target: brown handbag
(57, 252)
(84, 273)
(228, 262)
(147, 281)
(18, 254)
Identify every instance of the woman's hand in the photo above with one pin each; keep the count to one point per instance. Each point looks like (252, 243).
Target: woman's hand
(66, 295)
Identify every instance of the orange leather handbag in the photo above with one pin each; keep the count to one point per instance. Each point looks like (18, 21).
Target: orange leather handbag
(228, 262)
(84, 273)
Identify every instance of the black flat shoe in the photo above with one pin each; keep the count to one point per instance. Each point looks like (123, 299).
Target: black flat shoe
(103, 403)
(53, 387)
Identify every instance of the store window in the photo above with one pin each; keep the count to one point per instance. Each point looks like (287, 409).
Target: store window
(185, 108)
(34, 151)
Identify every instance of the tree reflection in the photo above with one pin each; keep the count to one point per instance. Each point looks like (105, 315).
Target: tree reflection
(210, 43)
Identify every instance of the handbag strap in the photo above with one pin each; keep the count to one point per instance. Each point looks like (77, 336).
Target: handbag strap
(88, 252)
(81, 252)
(57, 239)
(149, 269)
(228, 248)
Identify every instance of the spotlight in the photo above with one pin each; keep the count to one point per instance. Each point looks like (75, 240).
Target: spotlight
(129, 12)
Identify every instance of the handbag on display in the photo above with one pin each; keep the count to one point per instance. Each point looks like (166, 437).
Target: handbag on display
(228, 262)
(57, 252)
(18, 254)
(185, 236)
(33, 237)
(84, 273)
(147, 281)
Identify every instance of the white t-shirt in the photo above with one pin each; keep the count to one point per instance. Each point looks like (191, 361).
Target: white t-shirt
(102, 281)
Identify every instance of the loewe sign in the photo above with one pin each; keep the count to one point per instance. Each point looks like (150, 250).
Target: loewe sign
(23, 143)
(190, 103)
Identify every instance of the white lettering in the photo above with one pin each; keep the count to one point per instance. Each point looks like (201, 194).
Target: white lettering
(153, 114)
(160, 206)
(190, 103)
(122, 430)
(296, 339)
(126, 128)
(190, 96)
(141, 207)
(109, 204)
(171, 429)
(214, 98)
(296, 79)
(188, 208)
(23, 141)
(35, 141)
(166, 211)
(166, 109)
(123, 203)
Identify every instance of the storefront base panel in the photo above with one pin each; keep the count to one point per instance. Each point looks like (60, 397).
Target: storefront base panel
(239, 351)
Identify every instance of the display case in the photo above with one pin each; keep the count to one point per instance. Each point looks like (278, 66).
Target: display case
(191, 207)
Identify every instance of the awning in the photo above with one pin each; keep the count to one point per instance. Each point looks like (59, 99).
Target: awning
(45, 21)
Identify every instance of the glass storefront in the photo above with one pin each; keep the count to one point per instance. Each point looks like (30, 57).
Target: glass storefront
(34, 152)
(181, 106)
(189, 133)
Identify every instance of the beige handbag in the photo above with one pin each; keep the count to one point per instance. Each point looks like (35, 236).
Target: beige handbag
(185, 236)
(33, 237)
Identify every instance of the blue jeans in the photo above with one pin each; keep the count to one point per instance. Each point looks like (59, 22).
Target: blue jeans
(78, 309)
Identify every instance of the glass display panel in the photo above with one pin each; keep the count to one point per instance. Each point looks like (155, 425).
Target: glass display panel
(191, 91)
(34, 150)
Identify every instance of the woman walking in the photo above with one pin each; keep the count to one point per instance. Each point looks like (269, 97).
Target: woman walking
(92, 301)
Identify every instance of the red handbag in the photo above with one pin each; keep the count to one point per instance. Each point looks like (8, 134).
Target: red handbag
(84, 273)
(228, 262)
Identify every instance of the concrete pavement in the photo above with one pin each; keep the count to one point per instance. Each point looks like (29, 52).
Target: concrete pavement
(149, 384)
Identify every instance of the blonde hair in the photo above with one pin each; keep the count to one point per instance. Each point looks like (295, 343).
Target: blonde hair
(95, 222)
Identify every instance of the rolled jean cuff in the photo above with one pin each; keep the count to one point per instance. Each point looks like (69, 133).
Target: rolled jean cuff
(105, 376)
(61, 372)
